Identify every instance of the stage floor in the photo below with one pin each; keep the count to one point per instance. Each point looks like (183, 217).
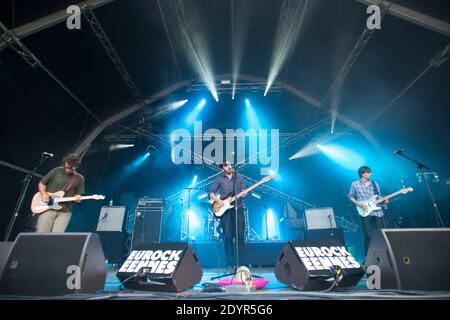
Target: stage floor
(274, 290)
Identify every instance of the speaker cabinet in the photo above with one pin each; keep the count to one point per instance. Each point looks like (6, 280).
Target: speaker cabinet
(5, 246)
(313, 264)
(114, 244)
(147, 221)
(50, 264)
(323, 234)
(170, 267)
(411, 259)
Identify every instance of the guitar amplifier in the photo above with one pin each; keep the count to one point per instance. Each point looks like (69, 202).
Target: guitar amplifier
(147, 221)
(320, 218)
(111, 218)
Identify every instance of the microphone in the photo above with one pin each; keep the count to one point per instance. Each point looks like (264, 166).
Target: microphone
(399, 151)
(50, 155)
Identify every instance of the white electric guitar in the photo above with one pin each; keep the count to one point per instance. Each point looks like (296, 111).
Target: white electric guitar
(38, 206)
(219, 210)
(373, 202)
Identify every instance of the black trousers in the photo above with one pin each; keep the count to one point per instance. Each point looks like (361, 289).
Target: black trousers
(228, 224)
(371, 223)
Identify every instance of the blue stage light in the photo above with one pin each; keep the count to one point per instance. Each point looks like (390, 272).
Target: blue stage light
(194, 222)
(137, 162)
(252, 117)
(201, 104)
(194, 181)
(343, 156)
(195, 112)
(272, 227)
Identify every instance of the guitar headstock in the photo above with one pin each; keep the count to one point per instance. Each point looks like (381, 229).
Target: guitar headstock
(406, 190)
(98, 197)
(269, 177)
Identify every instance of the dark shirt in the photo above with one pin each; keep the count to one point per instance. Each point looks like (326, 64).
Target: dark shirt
(225, 186)
(57, 180)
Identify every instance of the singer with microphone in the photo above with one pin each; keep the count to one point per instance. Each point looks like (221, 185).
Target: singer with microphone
(64, 178)
(224, 185)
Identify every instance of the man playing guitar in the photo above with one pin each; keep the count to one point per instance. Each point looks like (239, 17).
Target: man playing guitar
(60, 178)
(224, 185)
(364, 189)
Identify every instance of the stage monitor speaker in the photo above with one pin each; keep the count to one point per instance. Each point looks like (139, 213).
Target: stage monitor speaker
(169, 267)
(5, 247)
(320, 218)
(113, 245)
(315, 264)
(411, 259)
(51, 264)
(324, 234)
(111, 218)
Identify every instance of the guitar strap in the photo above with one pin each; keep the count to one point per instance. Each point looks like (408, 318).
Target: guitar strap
(375, 188)
(70, 183)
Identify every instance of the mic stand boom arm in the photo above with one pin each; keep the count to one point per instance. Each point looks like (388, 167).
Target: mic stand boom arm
(420, 166)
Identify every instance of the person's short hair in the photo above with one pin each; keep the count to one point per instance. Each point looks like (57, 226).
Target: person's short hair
(363, 170)
(224, 163)
(72, 159)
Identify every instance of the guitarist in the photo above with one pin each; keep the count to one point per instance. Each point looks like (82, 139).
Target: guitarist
(224, 185)
(60, 178)
(363, 189)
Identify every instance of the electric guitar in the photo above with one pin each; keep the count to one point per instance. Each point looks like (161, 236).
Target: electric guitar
(373, 202)
(230, 198)
(38, 206)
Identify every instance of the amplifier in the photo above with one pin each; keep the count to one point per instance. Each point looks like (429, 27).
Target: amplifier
(147, 221)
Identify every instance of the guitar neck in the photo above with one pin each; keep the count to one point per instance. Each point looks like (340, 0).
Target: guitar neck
(389, 196)
(248, 189)
(68, 199)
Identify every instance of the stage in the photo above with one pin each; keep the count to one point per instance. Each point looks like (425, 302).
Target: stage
(169, 140)
(274, 290)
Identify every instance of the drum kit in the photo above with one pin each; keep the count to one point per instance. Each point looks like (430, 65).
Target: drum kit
(212, 229)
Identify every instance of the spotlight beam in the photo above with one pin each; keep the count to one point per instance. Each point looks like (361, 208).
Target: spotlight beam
(200, 61)
(290, 22)
(334, 92)
(164, 110)
(238, 32)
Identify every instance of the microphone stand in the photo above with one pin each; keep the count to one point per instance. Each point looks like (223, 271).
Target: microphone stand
(420, 166)
(189, 189)
(236, 237)
(331, 226)
(23, 192)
